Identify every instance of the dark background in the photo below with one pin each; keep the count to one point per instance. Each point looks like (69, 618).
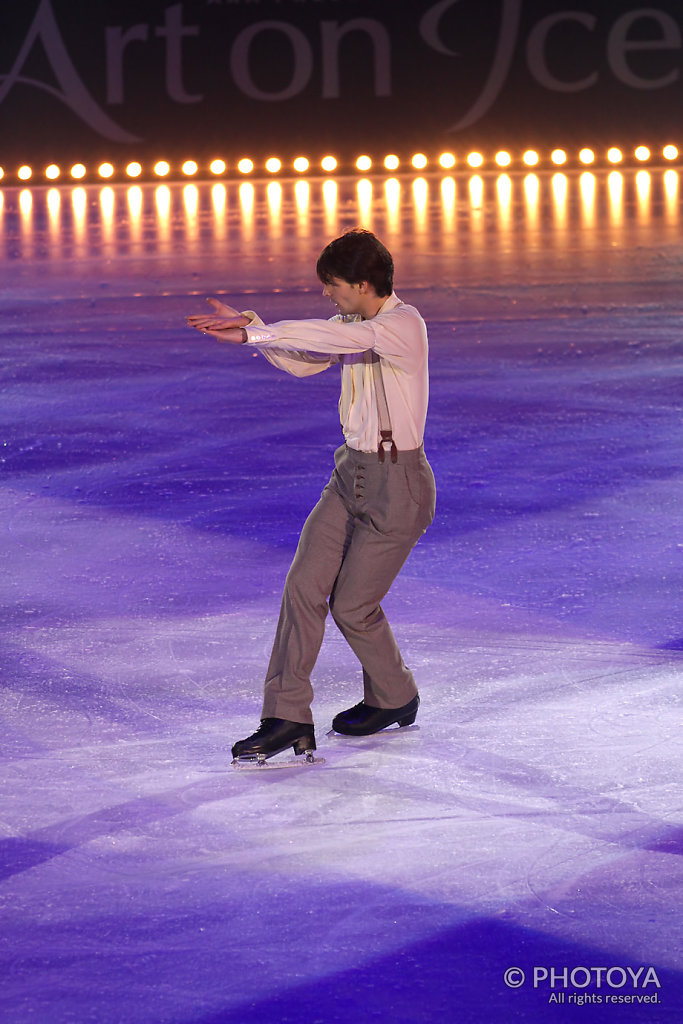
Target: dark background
(180, 86)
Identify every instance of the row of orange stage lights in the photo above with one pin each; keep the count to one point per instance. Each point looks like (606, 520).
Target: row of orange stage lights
(217, 168)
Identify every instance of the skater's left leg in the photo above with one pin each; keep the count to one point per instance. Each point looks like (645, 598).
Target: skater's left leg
(396, 505)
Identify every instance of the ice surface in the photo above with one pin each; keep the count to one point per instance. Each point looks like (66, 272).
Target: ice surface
(153, 484)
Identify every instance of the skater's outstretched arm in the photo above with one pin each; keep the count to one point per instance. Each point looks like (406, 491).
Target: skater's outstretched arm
(225, 324)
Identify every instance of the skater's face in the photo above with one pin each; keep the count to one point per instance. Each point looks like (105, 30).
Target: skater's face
(348, 298)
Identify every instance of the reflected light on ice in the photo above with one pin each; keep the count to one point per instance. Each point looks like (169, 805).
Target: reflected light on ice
(135, 201)
(247, 208)
(559, 187)
(587, 186)
(392, 192)
(615, 191)
(330, 204)
(79, 202)
(364, 190)
(302, 197)
(476, 218)
(274, 194)
(134, 197)
(420, 202)
(504, 194)
(191, 200)
(53, 206)
(302, 200)
(219, 197)
(107, 212)
(191, 207)
(671, 195)
(448, 208)
(162, 196)
(531, 194)
(476, 187)
(26, 215)
(25, 206)
(643, 182)
(53, 202)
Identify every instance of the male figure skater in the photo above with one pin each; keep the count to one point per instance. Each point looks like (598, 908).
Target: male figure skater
(377, 504)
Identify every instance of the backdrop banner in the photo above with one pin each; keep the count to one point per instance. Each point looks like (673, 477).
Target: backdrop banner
(123, 78)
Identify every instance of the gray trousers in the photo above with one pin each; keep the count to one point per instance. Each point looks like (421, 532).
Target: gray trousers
(352, 547)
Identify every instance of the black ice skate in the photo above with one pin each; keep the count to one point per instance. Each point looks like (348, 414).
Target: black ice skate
(364, 720)
(272, 737)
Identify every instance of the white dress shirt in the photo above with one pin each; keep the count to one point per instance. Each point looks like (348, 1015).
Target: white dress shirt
(397, 334)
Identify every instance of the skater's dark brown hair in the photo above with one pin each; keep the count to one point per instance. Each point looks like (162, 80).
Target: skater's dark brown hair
(357, 256)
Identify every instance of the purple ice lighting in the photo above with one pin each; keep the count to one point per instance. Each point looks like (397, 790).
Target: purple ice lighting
(152, 487)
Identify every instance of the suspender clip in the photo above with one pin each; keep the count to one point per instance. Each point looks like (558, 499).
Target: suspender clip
(386, 439)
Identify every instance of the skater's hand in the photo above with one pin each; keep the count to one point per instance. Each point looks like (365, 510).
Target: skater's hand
(226, 324)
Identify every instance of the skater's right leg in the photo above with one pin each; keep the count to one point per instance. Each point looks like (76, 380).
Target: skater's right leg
(324, 540)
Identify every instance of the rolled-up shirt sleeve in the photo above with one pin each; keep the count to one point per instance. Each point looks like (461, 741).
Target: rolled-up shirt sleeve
(298, 362)
(397, 334)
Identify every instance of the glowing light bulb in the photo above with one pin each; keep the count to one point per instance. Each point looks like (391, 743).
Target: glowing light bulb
(162, 168)
(363, 163)
(475, 159)
(328, 163)
(301, 165)
(273, 165)
(245, 166)
(587, 156)
(217, 167)
(134, 169)
(419, 161)
(105, 170)
(391, 162)
(670, 153)
(78, 171)
(24, 173)
(642, 153)
(614, 155)
(530, 158)
(558, 157)
(189, 167)
(447, 160)
(503, 159)
(52, 172)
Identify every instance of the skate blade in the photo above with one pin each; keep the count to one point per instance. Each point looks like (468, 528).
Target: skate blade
(262, 763)
(389, 730)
